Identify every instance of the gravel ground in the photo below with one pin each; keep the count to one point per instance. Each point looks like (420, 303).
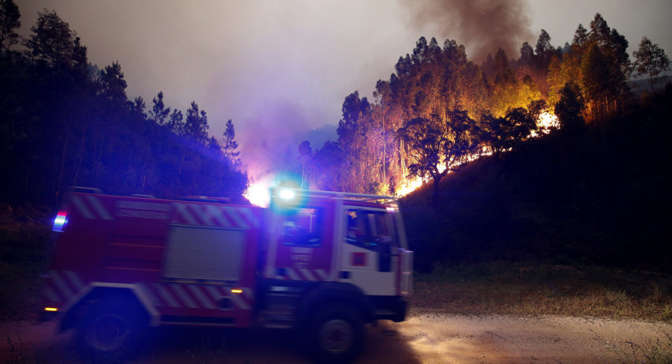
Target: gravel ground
(427, 337)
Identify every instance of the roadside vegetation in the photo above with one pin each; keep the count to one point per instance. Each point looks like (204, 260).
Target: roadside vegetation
(24, 236)
(526, 289)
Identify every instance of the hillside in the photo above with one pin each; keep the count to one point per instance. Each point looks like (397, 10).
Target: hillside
(599, 197)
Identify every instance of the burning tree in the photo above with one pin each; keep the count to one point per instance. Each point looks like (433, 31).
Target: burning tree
(440, 109)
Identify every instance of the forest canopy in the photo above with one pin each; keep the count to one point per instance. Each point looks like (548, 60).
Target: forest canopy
(66, 122)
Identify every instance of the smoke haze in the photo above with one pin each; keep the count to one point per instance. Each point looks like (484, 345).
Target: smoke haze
(483, 26)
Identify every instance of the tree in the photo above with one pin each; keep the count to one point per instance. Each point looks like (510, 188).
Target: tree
(112, 83)
(52, 41)
(424, 140)
(570, 109)
(9, 23)
(650, 60)
(504, 133)
(597, 81)
(612, 58)
(326, 170)
(462, 138)
(196, 124)
(580, 36)
(159, 113)
(229, 144)
(526, 54)
(543, 49)
(176, 122)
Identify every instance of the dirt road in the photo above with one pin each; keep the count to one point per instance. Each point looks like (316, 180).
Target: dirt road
(429, 337)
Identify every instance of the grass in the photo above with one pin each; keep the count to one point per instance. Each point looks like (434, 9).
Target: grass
(658, 352)
(519, 289)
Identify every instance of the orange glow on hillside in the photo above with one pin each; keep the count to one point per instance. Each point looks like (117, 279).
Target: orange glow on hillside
(546, 123)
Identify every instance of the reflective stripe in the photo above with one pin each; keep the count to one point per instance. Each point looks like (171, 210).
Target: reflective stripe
(238, 301)
(211, 212)
(292, 275)
(165, 295)
(74, 279)
(233, 213)
(148, 292)
(306, 274)
(93, 200)
(202, 299)
(184, 297)
(321, 274)
(247, 213)
(215, 293)
(185, 213)
(81, 207)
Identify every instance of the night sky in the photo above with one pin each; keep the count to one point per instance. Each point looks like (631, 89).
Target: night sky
(282, 68)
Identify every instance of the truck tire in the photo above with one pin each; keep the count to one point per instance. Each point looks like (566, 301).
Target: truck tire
(337, 333)
(111, 330)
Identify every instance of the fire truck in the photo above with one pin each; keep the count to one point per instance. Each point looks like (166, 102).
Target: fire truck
(324, 263)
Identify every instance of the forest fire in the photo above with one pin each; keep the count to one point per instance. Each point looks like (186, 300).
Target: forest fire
(258, 192)
(546, 123)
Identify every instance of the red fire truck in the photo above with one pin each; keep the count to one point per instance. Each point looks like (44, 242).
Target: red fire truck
(322, 262)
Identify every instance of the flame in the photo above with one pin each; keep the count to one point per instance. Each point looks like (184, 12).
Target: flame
(546, 123)
(259, 192)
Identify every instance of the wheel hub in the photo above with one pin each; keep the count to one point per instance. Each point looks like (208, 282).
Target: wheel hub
(107, 332)
(336, 336)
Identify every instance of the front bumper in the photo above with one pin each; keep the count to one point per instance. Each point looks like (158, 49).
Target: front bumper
(390, 308)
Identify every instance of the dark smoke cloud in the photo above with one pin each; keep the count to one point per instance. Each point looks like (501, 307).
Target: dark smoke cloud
(483, 26)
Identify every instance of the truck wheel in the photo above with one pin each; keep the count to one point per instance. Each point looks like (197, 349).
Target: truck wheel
(337, 333)
(112, 330)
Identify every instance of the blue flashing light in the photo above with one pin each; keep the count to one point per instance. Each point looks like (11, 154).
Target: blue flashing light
(60, 221)
(286, 194)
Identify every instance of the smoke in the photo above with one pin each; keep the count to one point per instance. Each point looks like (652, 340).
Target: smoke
(270, 143)
(483, 26)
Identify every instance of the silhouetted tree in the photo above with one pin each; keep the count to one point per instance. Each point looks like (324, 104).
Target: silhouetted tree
(230, 145)
(9, 23)
(570, 109)
(159, 113)
(113, 85)
(425, 142)
(196, 124)
(650, 60)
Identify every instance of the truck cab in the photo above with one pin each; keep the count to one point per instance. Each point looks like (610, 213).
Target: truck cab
(342, 253)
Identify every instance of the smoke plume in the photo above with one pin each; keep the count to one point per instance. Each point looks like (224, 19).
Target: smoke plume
(483, 26)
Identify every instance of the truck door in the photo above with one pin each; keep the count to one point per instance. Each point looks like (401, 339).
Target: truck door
(301, 243)
(370, 251)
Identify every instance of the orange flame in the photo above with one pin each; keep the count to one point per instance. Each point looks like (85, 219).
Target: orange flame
(546, 123)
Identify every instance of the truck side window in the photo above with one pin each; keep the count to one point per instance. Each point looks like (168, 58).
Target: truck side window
(303, 228)
(369, 229)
